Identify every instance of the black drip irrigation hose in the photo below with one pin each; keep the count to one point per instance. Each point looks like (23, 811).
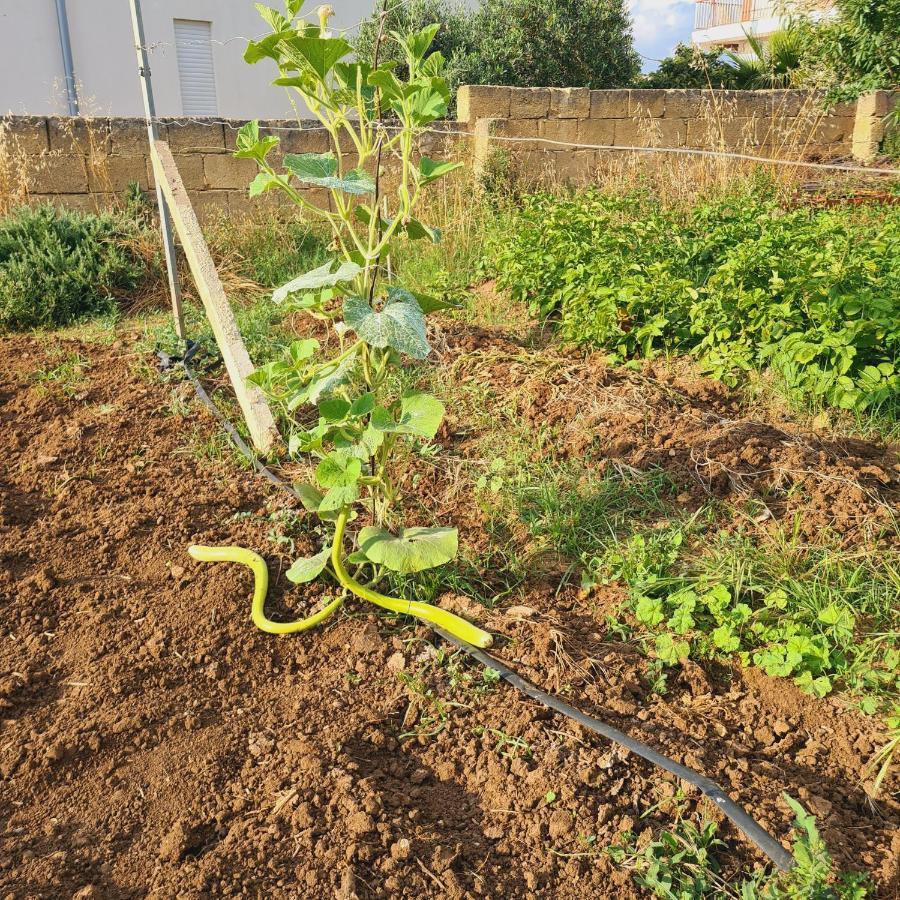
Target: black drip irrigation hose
(742, 820)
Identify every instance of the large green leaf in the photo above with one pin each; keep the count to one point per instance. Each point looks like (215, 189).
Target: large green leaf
(413, 550)
(400, 325)
(308, 568)
(318, 278)
(320, 170)
(317, 54)
(420, 414)
(338, 469)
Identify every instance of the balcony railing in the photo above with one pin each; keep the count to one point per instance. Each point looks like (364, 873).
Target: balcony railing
(710, 13)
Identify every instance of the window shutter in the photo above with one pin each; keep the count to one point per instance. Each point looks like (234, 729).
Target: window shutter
(193, 48)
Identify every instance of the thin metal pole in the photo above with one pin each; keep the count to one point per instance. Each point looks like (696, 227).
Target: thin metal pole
(65, 42)
(165, 221)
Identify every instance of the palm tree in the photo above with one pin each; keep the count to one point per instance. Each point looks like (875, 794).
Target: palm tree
(769, 65)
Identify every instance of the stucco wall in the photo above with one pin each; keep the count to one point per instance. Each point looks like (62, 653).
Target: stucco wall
(31, 69)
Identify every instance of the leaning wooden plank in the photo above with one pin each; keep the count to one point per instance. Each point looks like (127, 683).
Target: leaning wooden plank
(237, 361)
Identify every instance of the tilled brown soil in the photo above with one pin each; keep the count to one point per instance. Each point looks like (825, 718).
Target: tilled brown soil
(155, 744)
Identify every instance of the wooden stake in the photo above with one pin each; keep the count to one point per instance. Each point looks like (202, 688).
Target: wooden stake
(253, 403)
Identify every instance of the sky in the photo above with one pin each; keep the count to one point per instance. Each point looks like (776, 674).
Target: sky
(659, 25)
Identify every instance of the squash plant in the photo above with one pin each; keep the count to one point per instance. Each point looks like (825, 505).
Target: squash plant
(377, 320)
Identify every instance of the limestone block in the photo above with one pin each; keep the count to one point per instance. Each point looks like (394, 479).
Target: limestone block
(190, 168)
(570, 103)
(128, 137)
(597, 131)
(79, 202)
(529, 103)
(224, 172)
(61, 174)
(687, 103)
(210, 206)
(574, 167)
(646, 102)
(82, 135)
(482, 102)
(650, 133)
(565, 130)
(115, 173)
(26, 134)
(609, 104)
(189, 136)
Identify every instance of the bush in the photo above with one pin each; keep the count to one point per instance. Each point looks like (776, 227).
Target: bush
(523, 43)
(740, 283)
(690, 67)
(57, 265)
(855, 51)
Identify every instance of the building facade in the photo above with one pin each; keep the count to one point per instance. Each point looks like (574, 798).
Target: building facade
(195, 57)
(726, 23)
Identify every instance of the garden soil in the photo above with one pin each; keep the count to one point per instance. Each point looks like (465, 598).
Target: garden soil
(155, 744)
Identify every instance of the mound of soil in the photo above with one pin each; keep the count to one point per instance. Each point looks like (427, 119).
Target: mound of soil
(155, 744)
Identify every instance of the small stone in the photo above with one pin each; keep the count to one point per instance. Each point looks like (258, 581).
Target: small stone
(396, 662)
(400, 850)
(177, 572)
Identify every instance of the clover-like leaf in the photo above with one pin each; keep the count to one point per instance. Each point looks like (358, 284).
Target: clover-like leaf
(413, 550)
(671, 651)
(317, 278)
(308, 568)
(400, 325)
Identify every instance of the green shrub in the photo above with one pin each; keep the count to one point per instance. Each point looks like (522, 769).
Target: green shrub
(57, 265)
(738, 282)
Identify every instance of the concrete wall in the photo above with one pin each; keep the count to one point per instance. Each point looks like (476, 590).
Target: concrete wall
(534, 124)
(31, 68)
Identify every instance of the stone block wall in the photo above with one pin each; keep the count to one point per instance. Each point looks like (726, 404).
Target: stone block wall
(88, 163)
(536, 124)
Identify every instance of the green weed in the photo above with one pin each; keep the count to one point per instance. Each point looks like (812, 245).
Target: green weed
(682, 864)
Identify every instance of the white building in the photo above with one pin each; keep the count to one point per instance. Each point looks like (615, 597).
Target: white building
(726, 23)
(196, 58)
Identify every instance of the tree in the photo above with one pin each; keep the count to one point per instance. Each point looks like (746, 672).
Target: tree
(554, 43)
(523, 43)
(453, 40)
(690, 67)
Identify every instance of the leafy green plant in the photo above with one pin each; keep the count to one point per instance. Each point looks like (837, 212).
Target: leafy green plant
(682, 864)
(800, 619)
(58, 265)
(772, 64)
(345, 410)
(740, 283)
